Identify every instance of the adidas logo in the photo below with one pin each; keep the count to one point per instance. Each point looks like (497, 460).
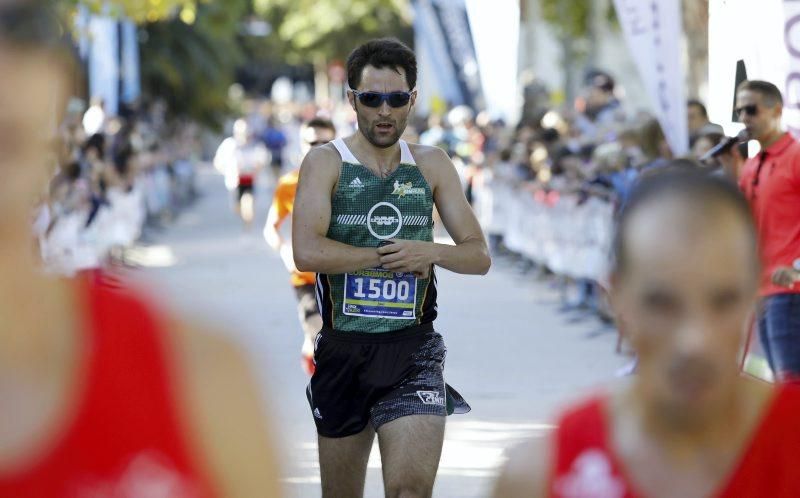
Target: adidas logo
(317, 414)
(357, 183)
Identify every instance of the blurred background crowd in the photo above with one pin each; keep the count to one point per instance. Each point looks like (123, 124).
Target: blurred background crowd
(548, 119)
(116, 176)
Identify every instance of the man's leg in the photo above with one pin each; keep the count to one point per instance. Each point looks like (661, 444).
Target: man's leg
(410, 450)
(762, 334)
(343, 464)
(783, 333)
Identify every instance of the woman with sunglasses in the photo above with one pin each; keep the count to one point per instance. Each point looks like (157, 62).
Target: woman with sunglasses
(363, 221)
(771, 183)
(101, 395)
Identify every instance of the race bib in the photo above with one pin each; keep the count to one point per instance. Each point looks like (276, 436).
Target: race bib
(378, 293)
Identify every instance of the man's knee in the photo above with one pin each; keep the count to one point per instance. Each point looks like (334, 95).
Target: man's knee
(408, 489)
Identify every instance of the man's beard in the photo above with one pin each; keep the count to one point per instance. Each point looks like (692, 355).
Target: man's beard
(366, 129)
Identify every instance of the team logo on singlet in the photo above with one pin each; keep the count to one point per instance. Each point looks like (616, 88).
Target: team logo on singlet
(591, 476)
(431, 398)
(384, 220)
(404, 189)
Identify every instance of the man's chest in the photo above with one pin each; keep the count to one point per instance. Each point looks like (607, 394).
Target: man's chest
(771, 186)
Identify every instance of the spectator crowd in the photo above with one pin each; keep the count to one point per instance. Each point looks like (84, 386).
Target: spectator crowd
(115, 177)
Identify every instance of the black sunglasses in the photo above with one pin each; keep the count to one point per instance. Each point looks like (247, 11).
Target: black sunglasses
(375, 99)
(317, 142)
(751, 110)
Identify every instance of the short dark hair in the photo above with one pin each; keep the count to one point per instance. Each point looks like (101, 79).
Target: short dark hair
(324, 123)
(381, 53)
(769, 92)
(699, 105)
(600, 80)
(683, 178)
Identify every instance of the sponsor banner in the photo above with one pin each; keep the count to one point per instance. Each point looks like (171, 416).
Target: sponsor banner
(495, 32)
(449, 66)
(790, 84)
(131, 85)
(764, 54)
(653, 32)
(104, 61)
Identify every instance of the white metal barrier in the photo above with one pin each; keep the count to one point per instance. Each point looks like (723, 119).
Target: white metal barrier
(570, 238)
(71, 246)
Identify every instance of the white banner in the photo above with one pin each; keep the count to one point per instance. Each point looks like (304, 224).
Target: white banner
(653, 31)
(104, 62)
(495, 32)
(129, 63)
(790, 86)
(763, 52)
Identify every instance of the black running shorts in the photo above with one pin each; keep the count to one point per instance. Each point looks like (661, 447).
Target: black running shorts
(376, 378)
(244, 189)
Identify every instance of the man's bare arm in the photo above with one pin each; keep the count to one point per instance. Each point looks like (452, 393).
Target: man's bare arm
(524, 475)
(470, 255)
(313, 250)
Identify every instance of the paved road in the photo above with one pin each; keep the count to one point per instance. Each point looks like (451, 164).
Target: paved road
(510, 352)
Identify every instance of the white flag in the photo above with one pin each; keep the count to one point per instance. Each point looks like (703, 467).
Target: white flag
(653, 32)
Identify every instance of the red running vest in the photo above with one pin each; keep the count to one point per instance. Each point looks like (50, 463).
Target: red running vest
(126, 439)
(587, 467)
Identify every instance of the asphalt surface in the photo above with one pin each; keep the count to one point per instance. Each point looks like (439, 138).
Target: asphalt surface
(512, 354)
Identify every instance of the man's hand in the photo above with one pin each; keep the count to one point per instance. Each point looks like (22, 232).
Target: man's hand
(731, 161)
(785, 276)
(410, 256)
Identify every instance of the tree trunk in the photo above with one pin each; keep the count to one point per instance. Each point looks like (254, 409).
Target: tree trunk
(695, 27)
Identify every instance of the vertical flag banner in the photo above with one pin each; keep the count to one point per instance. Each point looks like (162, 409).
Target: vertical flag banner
(763, 52)
(790, 85)
(446, 53)
(104, 61)
(131, 81)
(653, 32)
(495, 31)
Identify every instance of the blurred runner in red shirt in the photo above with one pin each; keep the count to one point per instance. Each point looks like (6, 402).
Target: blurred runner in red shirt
(100, 395)
(688, 424)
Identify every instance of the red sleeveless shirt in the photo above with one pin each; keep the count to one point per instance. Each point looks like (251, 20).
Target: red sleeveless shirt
(125, 438)
(586, 466)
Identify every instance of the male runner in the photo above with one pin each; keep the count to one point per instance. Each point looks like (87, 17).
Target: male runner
(316, 132)
(363, 222)
(101, 396)
(241, 158)
(688, 424)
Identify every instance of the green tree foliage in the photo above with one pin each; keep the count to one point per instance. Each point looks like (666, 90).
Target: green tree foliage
(329, 29)
(192, 66)
(570, 17)
(140, 11)
(573, 18)
(190, 49)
